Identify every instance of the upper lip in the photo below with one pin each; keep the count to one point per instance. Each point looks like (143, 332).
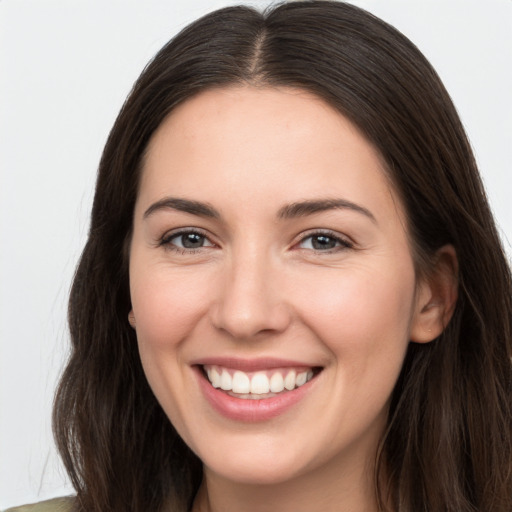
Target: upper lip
(251, 365)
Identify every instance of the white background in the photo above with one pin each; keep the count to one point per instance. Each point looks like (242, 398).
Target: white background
(65, 68)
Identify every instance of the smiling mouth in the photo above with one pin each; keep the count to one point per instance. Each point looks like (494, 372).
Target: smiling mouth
(258, 385)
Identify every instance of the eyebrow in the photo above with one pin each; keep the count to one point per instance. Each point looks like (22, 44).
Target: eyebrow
(290, 211)
(183, 205)
(304, 208)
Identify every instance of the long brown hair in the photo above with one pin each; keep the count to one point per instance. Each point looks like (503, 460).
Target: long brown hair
(448, 443)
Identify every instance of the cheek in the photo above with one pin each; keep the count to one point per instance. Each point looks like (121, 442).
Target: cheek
(359, 310)
(167, 305)
(363, 319)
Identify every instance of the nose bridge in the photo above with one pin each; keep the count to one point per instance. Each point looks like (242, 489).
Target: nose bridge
(250, 301)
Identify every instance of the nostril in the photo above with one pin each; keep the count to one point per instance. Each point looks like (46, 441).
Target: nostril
(250, 318)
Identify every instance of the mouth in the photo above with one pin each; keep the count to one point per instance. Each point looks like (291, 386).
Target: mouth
(258, 385)
(256, 390)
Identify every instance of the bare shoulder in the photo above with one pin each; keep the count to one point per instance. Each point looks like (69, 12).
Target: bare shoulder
(54, 505)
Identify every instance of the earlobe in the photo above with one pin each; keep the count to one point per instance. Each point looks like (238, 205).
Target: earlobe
(436, 297)
(131, 318)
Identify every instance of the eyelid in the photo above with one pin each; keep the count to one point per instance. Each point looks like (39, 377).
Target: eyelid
(344, 241)
(165, 239)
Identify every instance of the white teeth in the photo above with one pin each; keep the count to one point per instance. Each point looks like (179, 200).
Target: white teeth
(241, 383)
(301, 378)
(214, 377)
(276, 383)
(258, 383)
(289, 380)
(226, 382)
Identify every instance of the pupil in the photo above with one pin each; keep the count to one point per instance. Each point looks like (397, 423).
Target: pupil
(323, 242)
(192, 241)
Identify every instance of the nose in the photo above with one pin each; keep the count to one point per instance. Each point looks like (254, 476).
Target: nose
(251, 300)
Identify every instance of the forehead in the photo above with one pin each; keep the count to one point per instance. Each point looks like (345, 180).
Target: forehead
(241, 112)
(276, 143)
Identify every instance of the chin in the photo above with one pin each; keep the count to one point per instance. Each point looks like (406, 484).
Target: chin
(258, 461)
(269, 472)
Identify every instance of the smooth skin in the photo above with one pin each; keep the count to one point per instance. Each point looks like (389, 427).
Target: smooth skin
(235, 269)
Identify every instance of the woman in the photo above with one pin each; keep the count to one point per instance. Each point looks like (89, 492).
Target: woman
(293, 295)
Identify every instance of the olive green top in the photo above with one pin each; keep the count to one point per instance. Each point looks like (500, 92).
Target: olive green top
(55, 505)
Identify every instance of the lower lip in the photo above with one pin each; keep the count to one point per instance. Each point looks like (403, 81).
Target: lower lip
(250, 411)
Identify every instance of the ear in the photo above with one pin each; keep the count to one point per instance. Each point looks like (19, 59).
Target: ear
(436, 297)
(131, 318)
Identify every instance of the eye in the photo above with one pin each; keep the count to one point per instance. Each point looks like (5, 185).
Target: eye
(188, 240)
(324, 242)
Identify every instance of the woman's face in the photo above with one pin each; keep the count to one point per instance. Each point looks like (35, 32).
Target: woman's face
(270, 252)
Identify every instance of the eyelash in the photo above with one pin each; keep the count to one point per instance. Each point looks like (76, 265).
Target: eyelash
(166, 241)
(341, 243)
